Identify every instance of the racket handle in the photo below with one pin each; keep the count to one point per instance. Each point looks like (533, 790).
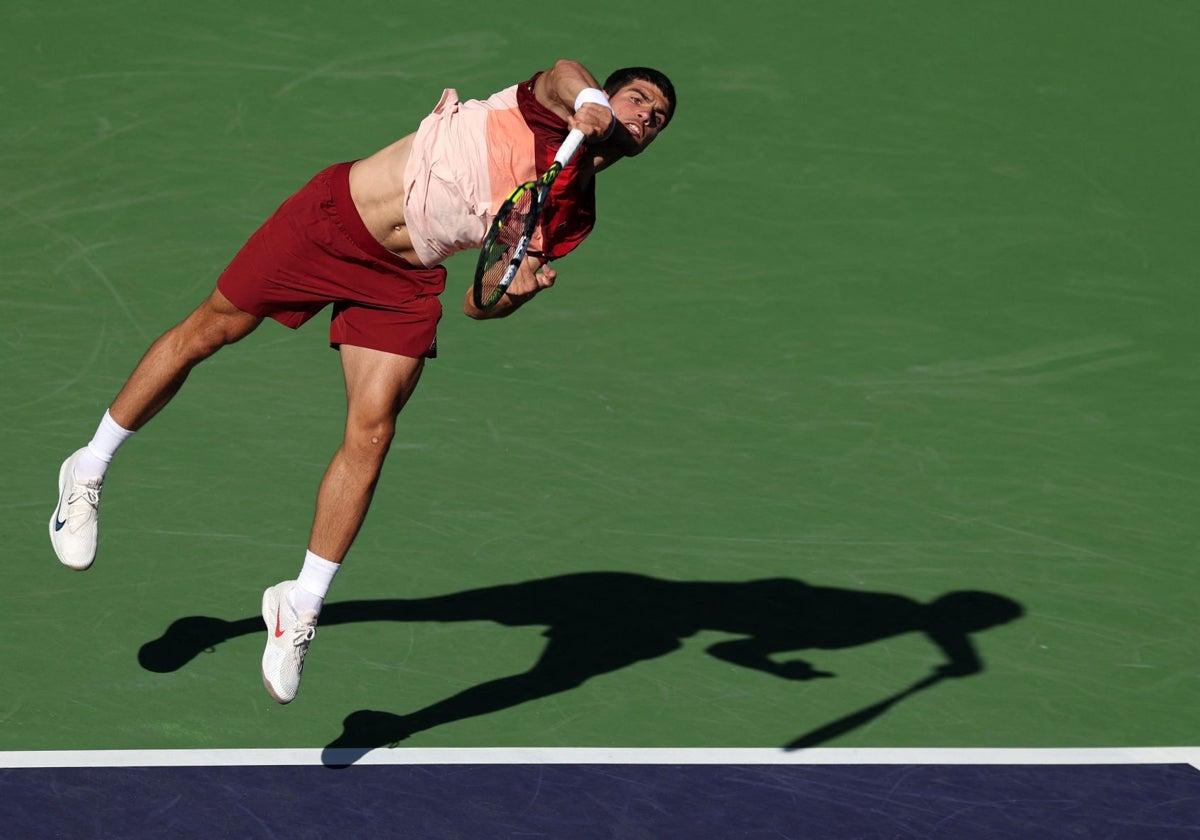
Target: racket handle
(569, 147)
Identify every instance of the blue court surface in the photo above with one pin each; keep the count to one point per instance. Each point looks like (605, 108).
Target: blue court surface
(623, 794)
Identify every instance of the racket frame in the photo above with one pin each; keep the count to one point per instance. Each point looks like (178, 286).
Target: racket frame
(541, 190)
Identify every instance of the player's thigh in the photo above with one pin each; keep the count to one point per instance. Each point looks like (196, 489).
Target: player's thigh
(378, 384)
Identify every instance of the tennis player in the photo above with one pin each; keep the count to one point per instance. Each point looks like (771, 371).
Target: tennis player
(368, 237)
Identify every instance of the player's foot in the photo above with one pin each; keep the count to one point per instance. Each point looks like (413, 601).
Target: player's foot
(73, 523)
(288, 637)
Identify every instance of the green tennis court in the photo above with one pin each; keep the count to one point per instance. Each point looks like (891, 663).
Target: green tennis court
(903, 303)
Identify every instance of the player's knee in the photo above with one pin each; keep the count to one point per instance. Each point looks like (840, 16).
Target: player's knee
(199, 336)
(371, 438)
(231, 328)
(202, 343)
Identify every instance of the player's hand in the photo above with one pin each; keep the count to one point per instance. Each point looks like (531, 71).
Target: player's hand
(595, 121)
(532, 277)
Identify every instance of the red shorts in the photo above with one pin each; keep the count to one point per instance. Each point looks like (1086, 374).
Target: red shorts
(315, 251)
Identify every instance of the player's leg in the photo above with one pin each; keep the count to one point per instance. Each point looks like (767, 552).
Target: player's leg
(162, 371)
(378, 384)
(384, 321)
(155, 380)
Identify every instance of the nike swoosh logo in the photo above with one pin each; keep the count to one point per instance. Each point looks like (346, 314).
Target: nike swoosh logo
(58, 523)
(278, 628)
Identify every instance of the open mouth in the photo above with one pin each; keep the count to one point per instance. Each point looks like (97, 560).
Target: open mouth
(634, 129)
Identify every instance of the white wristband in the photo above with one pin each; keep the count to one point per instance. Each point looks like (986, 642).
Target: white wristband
(592, 95)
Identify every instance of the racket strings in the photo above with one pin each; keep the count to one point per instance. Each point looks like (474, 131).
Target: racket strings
(508, 229)
(518, 215)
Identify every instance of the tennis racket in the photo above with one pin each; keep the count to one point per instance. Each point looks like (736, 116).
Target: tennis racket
(849, 723)
(516, 221)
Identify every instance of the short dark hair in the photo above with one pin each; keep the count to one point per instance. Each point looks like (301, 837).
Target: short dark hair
(627, 75)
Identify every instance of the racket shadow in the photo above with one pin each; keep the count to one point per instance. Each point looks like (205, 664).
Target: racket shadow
(600, 622)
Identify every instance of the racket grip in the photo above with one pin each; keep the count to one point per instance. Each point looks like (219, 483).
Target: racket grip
(569, 147)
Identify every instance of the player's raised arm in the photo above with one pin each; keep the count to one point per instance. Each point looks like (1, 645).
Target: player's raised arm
(571, 91)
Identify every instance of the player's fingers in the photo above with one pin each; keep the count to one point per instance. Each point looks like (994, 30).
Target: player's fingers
(595, 121)
(547, 276)
(607, 121)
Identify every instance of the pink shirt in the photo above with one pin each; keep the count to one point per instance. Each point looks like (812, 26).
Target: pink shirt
(467, 157)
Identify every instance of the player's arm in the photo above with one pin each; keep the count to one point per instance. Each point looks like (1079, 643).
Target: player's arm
(532, 277)
(571, 91)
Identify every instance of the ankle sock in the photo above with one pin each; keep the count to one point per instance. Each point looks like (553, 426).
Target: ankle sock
(93, 462)
(313, 584)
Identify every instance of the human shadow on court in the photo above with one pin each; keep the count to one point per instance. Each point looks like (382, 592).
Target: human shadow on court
(599, 622)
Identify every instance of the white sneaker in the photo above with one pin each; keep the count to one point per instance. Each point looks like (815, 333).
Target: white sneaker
(288, 635)
(73, 523)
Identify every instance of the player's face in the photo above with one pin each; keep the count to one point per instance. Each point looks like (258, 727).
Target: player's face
(642, 112)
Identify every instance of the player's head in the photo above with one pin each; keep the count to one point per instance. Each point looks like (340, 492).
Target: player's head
(643, 100)
(627, 75)
(968, 611)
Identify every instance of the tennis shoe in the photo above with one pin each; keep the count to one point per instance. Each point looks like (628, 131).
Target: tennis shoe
(73, 525)
(288, 637)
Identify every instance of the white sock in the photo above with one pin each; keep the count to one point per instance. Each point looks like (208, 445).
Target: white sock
(313, 584)
(93, 462)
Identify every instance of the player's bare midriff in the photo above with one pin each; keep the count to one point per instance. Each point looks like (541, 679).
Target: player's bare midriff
(377, 187)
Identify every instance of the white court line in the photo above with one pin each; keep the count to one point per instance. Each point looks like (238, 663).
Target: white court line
(586, 755)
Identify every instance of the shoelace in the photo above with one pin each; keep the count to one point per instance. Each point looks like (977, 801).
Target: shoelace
(302, 634)
(89, 493)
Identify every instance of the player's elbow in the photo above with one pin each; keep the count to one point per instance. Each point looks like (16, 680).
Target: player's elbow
(565, 78)
(565, 66)
(473, 311)
(470, 309)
